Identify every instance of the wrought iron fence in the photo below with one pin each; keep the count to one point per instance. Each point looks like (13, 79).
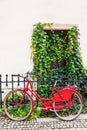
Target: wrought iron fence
(11, 82)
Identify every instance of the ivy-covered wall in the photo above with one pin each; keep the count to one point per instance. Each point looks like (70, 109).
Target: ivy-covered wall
(56, 53)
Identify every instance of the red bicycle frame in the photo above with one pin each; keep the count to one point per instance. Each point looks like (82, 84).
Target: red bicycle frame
(61, 97)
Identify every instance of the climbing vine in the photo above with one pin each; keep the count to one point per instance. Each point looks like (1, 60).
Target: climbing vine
(56, 52)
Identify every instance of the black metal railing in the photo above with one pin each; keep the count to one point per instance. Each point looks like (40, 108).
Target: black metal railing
(9, 82)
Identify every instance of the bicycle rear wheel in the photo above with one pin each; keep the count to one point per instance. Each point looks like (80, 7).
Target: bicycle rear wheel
(69, 113)
(17, 105)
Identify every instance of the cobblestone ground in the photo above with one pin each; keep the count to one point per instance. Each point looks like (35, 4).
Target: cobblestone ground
(43, 124)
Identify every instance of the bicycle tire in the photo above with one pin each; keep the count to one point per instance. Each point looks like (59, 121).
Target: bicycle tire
(13, 110)
(68, 114)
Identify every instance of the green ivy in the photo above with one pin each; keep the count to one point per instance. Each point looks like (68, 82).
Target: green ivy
(50, 48)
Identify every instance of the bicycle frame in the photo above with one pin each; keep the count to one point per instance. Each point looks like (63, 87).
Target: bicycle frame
(29, 91)
(62, 95)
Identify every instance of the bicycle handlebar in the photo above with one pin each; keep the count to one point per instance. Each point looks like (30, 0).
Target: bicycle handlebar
(28, 75)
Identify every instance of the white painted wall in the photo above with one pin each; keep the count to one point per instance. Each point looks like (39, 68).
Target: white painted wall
(16, 24)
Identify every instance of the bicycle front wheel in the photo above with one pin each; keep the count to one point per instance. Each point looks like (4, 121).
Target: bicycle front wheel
(71, 110)
(17, 105)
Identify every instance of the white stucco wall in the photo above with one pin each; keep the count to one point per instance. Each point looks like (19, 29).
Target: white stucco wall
(16, 24)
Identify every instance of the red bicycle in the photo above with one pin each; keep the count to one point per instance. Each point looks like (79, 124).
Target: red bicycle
(64, 101)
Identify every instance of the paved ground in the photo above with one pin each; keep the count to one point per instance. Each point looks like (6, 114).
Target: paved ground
(44, 124)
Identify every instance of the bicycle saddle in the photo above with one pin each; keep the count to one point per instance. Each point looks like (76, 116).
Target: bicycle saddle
(55, 77)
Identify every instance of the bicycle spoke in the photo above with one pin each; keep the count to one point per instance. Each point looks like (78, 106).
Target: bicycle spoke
(71, 111)
(17, 105)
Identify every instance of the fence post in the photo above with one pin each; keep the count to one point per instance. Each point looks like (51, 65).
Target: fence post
(12, 81)
(0, 93)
